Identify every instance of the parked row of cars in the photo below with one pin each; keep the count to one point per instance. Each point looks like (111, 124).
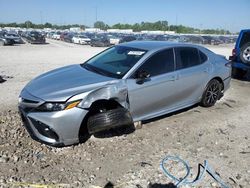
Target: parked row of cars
(34, 37)
(107, 39)
(13, 37)
(10, 38)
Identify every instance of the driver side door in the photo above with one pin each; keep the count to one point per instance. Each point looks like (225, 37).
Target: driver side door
(156, 93)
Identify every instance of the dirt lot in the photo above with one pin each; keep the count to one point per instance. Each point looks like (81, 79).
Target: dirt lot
(219, 134)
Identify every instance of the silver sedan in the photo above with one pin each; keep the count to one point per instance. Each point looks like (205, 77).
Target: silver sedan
(126, 83)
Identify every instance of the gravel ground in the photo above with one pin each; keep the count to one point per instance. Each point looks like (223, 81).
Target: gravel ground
(126, 158)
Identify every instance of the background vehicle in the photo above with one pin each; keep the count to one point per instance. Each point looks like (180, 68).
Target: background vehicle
(56, 35)
(100, 41)
(194, 39)
(106, 91)
(113, 39)
(63, 35)
(17, 39)
(81, 39)
(127, 39)
(212, 40)
(34, 37)
(5, 41)
(241, 55)
(68, 37)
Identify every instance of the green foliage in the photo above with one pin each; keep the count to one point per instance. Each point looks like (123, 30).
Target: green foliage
(151, 26)
(101, 25)
(29, 24)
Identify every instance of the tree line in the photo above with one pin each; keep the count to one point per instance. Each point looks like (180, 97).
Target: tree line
(151, 26)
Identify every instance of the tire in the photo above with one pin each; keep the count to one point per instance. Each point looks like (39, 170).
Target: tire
(245, 53)
(211, 94)
(109, 119)
(238, 73)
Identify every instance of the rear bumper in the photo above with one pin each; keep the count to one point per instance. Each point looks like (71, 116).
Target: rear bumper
(227, 83)
(240, 65)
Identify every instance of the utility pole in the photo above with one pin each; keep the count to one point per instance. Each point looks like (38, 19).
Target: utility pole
(96, 13)
(41, 17)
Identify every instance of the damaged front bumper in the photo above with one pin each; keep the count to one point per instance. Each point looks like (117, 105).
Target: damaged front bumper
(54, 128)
(57, 128)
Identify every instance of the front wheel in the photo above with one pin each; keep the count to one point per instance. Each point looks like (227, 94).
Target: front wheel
(108, 119)
(211, 94)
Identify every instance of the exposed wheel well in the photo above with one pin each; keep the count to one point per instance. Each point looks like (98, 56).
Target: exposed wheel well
(95, 108)
(221, 82)
(106, 104)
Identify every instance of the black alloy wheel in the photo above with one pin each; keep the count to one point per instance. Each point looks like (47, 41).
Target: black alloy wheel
(211, 94)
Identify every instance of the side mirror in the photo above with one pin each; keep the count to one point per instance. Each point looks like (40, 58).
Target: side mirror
(141, 76)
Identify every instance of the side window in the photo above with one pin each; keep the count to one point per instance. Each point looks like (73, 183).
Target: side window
(245, 39)
(160, 63)
(186, 57)
(203, 57)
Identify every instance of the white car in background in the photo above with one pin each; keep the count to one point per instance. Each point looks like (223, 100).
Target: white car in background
(113, 39)
(81, 39)
(56, 35)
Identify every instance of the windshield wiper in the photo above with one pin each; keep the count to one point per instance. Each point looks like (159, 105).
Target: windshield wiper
(94, 69)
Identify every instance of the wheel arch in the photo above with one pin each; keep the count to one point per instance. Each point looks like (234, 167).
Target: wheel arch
(94, 107)
(220, 80)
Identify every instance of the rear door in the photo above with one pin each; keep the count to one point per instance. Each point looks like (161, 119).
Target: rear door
(192, 69)
(158, 92)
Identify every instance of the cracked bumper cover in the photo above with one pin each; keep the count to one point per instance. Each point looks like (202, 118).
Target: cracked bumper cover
(54, 128)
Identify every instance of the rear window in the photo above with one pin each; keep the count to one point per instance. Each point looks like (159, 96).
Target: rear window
(186, 57)
(203, 57)
(245, 39)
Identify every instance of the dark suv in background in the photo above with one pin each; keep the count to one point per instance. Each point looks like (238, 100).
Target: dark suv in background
(241, 55)
(34, 37)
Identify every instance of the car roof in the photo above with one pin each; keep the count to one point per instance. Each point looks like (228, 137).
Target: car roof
(245, 30)
(155, 45)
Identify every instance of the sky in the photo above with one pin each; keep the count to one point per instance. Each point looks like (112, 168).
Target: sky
(232, 15)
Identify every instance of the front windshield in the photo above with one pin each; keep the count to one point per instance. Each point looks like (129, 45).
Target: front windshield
(114, 62)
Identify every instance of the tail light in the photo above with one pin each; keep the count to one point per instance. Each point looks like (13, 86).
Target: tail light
(234, 52)
(233, 57)
(229, 64)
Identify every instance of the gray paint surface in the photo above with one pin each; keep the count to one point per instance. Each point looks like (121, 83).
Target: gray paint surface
(158, 95)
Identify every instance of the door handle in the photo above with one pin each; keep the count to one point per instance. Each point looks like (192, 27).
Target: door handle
(205, 70)
(173, 78)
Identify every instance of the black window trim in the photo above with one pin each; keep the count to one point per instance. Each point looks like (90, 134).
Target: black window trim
(200, 56)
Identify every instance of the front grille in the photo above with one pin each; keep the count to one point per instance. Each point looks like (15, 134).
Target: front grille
(29, 101)
(28, 105)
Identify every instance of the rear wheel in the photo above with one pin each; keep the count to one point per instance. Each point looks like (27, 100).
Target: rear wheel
(245, 53)
(211, 94)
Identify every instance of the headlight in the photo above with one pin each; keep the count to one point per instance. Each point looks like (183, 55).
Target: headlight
(50, 107)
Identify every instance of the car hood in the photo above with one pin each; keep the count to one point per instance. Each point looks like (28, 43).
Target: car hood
(63, 83)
